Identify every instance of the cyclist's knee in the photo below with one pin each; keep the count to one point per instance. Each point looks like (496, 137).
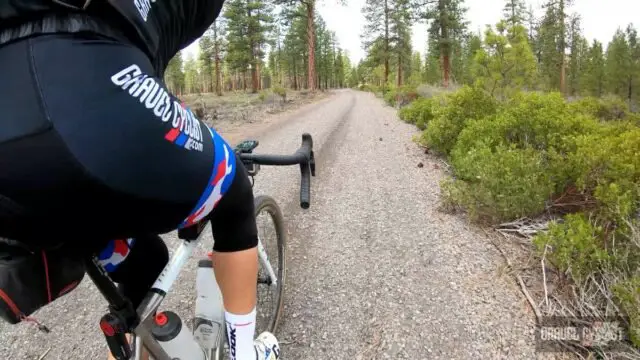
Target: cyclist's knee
(135, 264)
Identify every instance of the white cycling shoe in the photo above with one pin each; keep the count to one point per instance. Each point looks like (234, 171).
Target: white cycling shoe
(267, 347)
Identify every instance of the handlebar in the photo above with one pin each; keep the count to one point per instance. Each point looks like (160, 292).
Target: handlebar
(303, 156)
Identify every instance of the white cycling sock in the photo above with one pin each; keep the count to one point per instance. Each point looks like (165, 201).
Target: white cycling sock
(240, 332)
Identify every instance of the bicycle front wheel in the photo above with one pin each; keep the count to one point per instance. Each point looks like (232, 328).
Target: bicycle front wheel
(272, 269)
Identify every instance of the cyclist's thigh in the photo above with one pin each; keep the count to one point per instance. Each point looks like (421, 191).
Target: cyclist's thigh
(233, 221)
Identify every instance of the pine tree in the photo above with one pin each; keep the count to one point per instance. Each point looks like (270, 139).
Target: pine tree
(294, 52)
(578, 55)
(471, 47)
(554, 38)
(634, 66)
(533, 28)
(377, 15)
(174, 76)
(593, 79)
(515, 12)
(191, 83)
(217, 32)
(549, 55)
(310, 15)
(206, 60)
(447, 27)
(618, 64)
(248, 23)
(506, 62)
(415, 76)
(400, 37)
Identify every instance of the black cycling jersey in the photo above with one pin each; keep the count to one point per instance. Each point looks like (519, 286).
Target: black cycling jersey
(159, 27)
(94, 148)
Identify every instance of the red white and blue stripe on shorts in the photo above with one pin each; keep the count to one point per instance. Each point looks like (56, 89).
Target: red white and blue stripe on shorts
(222, 173)
(115, 253)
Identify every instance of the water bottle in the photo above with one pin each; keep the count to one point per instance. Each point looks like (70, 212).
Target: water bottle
(208, 325)
(175, 338)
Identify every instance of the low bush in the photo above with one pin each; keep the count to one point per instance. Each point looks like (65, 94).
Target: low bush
(420, 112)
(501, 183)
(535, 153)
(369, 88)
(262, 96)
(460, 107)
(607, 108)
(280, 91)
(401, 96)
(574, 246)
(627, 294)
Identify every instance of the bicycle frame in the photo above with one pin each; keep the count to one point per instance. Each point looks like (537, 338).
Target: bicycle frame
(142, 336)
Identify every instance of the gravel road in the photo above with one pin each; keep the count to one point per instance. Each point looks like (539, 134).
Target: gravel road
(374, 270)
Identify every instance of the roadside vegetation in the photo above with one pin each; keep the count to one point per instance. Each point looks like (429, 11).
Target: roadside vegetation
(544, 148)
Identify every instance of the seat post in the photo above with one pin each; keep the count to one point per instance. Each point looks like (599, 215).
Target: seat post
(118, 304)
(104, 284)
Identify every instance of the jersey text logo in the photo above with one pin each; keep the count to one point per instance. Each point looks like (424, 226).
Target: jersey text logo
(186, 130)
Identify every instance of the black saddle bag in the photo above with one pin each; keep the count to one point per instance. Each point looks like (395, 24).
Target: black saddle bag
(31, 279)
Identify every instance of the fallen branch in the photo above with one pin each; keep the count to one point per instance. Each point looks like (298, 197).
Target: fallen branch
(524, 227)
(45, 354)
(544, 276)
(523, 287)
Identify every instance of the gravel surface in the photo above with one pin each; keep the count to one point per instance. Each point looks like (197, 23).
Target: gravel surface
(374, 270)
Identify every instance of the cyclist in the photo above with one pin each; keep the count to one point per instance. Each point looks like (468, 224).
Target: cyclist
(94, 147)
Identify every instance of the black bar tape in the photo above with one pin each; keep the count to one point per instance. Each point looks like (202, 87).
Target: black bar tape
(305, 186)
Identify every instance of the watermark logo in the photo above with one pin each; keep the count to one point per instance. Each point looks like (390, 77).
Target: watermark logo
(564, 334)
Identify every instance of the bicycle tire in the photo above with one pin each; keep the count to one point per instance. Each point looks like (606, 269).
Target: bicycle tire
(267, 203)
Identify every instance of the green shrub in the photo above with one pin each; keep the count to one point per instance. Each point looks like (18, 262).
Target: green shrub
(400, 96)
(390, 97)
(575, 246)
(369, 88)
(420, 112)
(611, 155)
(541, 121)
(531, 120)
(501, 184)
(461, 107)
(627, 295)
(262, 96)
(280, 91)
(607, 108)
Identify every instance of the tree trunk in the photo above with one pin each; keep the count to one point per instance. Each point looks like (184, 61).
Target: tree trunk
(295, 75)
(386, 45)
(444, 43)
(563, 45)
(234, 82)
(311, 40)
(216, 49)
(630, 90)
(306, 81)
(399, 80)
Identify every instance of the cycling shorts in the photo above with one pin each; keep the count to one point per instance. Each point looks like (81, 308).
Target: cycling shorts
(94, 147)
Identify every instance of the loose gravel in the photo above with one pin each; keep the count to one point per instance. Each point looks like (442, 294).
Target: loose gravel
(374, 270)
